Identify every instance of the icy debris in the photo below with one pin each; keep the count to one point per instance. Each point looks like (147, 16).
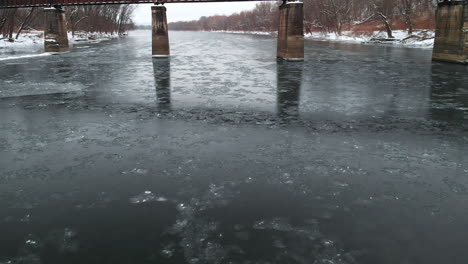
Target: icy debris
(199, 243)
(215, 190)
(218, 195)
(136, 171)
(357, 146)
(328, 243)
(72, 139)
(69, 233)
(181, 207)
(140, 171)
(41, 144)
(286, 178)
(455, 186)
(147, 196)
(64, 240)
(278, 224)
(27, 218)
(179, 225)
(168, 251)
(393, 170)
(347, 170)
(341, 184)
(31, 242)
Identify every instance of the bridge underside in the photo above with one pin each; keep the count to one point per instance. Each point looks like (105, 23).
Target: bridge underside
(49, 3)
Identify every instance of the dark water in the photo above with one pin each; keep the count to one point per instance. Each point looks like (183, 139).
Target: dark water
(224, 155)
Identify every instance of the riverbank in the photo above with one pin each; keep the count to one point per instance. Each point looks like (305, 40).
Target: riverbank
(33, 41)
(419, 38)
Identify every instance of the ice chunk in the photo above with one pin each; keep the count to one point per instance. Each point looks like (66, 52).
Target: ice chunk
(147, 196)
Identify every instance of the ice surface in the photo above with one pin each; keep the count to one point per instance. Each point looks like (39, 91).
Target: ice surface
(147, 196)
(367, 156)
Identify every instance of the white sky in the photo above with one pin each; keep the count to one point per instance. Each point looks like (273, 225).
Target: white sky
(190, 11)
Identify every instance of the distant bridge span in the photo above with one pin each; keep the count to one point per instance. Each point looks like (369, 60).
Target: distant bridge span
(50, 3)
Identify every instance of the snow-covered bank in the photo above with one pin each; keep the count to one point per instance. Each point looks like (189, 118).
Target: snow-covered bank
(91, 37)
(419, 39)
(33, 41)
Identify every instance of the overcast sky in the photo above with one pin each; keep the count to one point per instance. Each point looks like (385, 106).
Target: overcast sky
(190, 11)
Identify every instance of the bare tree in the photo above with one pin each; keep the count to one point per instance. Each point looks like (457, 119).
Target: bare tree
(384, 9)
(337, 13)
(406, 10)
(26, 21)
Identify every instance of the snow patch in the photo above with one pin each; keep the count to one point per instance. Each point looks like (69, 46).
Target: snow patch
(25, 56)
(419, 39)
(145, 197)
(87, 37)
(33, 41)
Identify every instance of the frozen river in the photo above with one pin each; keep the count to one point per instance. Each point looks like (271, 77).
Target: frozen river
(359, 155)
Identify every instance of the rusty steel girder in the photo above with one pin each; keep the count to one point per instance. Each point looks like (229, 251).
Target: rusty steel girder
(50, 3)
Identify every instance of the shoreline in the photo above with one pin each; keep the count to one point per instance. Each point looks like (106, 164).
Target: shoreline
(422, 39)
(32, 42)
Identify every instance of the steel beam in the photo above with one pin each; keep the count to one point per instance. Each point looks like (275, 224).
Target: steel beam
(50, 3)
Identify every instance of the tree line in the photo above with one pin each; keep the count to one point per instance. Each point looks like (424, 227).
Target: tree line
(327, 16)
(109, 19)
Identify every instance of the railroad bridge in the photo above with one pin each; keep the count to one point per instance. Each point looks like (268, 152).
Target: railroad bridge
(451, 40)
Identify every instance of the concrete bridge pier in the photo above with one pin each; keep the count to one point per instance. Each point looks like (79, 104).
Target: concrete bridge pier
(291, 31)
(451, 39)
(162, 81)
(160, 31)
(56, 38)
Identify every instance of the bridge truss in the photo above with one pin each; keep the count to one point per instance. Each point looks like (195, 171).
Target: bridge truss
(50, 3)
